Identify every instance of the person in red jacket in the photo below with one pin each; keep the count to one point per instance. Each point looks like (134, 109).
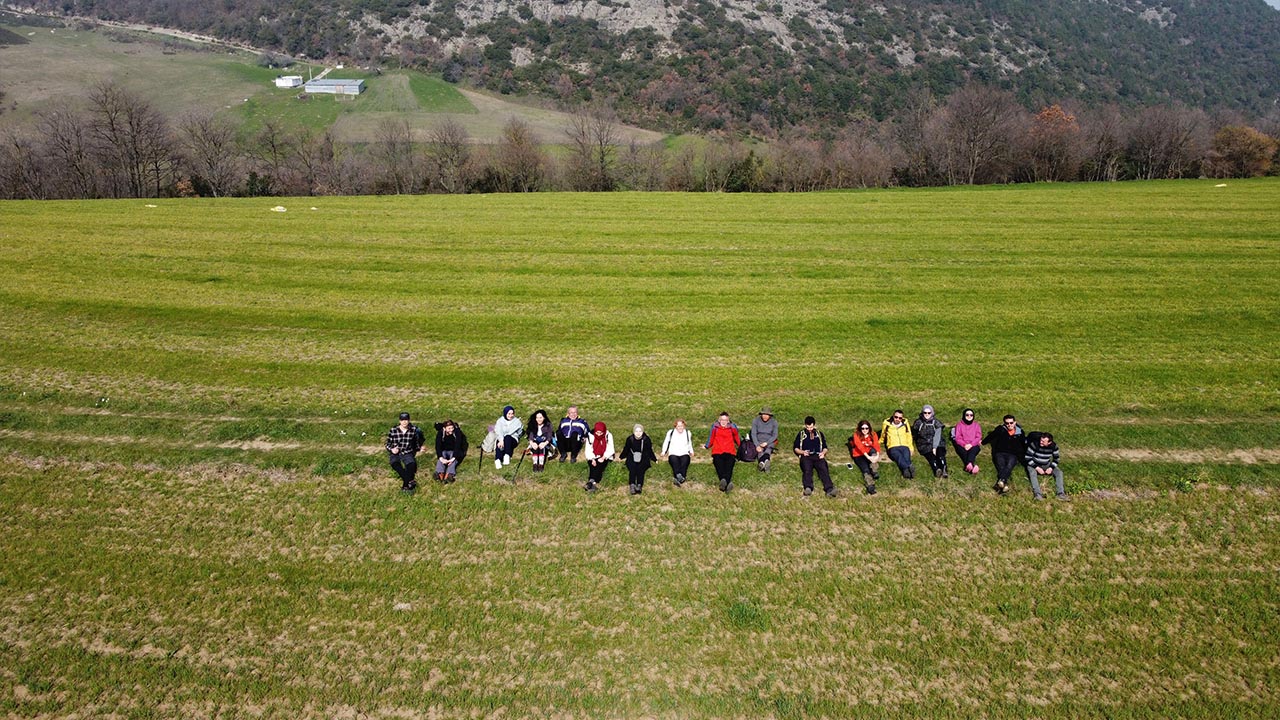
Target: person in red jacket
(723, 443)
(864, 449)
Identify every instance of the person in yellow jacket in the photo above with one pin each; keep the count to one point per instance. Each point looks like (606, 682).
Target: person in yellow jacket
(895, 437)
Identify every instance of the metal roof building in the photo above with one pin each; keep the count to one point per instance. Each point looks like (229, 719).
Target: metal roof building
(335, 86)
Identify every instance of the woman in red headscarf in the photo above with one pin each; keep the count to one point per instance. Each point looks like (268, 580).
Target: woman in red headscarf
(599, 453)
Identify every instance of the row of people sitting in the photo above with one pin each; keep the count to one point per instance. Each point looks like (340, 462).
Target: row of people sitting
(1010, 448)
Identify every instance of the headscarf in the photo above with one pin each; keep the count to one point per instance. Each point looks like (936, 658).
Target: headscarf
(599, 440)
(966, 411)
(506, 410)
(638, 431)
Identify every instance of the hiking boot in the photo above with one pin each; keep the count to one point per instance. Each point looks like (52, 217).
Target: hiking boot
(1001, 487)
(808, 492)
(679, 480)
(945, 475)
(871, 489)
(937, 474)
(909, 473)
(635, 489)
(562, 457)
(724, 485)
(448, 479)
(591, 487)
(767, 462)
(833, 493)
(1063, 497)
(1038, 497)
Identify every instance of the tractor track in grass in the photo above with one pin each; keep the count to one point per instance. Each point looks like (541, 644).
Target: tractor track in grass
(1186, 456)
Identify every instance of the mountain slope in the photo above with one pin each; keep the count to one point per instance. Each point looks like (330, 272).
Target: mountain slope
(772, 64)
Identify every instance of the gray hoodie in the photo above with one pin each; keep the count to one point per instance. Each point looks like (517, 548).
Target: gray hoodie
(764, 433)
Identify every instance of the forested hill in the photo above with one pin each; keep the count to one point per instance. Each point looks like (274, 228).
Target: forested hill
(744, 63)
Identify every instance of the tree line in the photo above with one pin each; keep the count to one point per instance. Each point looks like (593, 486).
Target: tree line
(118, 145)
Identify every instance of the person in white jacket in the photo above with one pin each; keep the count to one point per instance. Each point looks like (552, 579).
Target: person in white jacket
(599, 451)
(677, 448)
(508, 430)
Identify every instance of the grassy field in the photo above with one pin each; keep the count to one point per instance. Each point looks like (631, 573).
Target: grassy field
(198, 521)
(179, 77)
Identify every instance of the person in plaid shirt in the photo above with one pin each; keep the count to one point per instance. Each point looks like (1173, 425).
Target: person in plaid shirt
(403, 443)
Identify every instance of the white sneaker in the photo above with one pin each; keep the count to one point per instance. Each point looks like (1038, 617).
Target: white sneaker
(506, 460)
(497, 464)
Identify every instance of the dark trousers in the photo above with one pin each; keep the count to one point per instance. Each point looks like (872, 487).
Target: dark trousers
(1005, 463)
(936, 461)
(724, 463)
(679, 465)
(570, 447)
(406, 466)
(968, 456)
(865, 466)
(810, 463)
(506, 446)
(595, 473)
(637, 473)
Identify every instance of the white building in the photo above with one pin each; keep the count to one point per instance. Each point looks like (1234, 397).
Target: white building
(289, 81)
(335, 86)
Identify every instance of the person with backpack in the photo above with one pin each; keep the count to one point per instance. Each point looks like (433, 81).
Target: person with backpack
(677, 448)
(451, 450)
(764, 436)
(637, 453)
(507, 431)
(723, 442)
(895, 434)
(1041, 458)
(864, 449)
(542, 439)
(1008, 445)
(811, 447)
(599, 453)
(966, 437)
(930, 438)
(404, 441)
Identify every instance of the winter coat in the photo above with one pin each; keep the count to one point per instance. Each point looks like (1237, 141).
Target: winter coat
(859, 446)
(644, 446)
(964, 433)
(928, 433)
(1002, 442)
(893, 437)
(764, 433)
(724, 440)
(457, 443)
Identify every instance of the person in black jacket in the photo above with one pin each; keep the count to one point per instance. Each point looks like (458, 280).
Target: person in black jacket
(811, 447)
(637, 451)
(1008, 443)
(403, 443)
(451, 450)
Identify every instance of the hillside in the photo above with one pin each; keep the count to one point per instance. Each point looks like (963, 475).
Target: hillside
(51, 63)
(820, 62)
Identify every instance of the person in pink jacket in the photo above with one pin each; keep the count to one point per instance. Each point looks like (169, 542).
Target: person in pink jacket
(966, 437)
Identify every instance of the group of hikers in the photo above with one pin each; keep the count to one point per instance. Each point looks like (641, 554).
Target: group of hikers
(898, 440)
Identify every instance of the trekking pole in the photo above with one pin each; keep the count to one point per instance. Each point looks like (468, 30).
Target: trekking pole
(516, 474)
(480, 461)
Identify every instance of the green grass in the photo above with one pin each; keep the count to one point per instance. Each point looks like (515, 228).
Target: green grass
(197, 515)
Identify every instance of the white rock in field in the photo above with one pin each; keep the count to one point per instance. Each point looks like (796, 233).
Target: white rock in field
(278, 208)
(149, 205)
(313, 207)
(1220, 185)
(402, 607)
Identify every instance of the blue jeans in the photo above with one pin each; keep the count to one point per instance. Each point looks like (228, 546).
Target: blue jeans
(901, 456)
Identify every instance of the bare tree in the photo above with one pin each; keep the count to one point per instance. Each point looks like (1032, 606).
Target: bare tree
(448, 150)
(642, 167)
(21, 169)
(593, 141)
(132, 142)
(275, 149)
(1104, 133)
(393, 152)
(1167, 142)
(980, 126)
(212, 152)
(521, 165)
(68, 146)
(1053, 145)
(915, 133)
(861, 158)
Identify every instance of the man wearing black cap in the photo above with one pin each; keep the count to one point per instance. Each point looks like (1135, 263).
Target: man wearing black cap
(403, 443)
(811, 447)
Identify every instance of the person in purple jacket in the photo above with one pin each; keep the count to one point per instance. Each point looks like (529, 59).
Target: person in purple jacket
(966, 438)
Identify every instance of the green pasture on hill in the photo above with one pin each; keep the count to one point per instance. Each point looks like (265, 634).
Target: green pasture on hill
(199, 521)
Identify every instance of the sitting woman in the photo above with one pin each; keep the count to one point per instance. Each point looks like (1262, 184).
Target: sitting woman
(600, 453)
(542, 435)
(637, 452)
(507, 430)
(966, 438)
(864, 449)
(451, 450)
(677, 448)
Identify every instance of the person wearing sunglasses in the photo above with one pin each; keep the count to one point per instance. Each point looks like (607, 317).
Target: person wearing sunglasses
(1008, 443)
(930, 437)
(864, 449)
(895, 435)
